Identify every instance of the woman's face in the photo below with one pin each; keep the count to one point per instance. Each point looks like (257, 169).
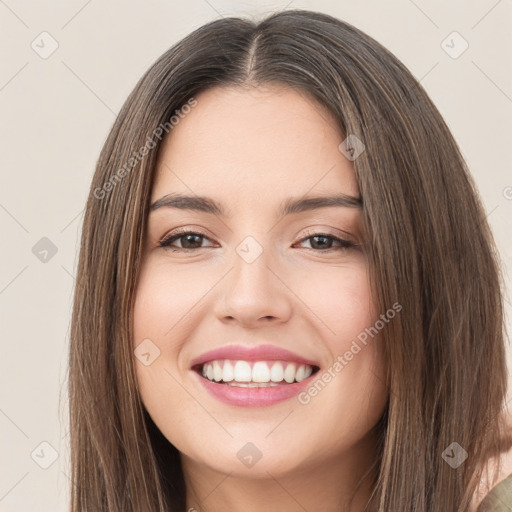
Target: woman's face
(269, 289)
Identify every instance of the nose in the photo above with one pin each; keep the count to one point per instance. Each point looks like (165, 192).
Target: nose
(254, 294)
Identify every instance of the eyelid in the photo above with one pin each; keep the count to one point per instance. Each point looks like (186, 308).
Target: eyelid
(182, 231)
(344, 242)
(332, 232)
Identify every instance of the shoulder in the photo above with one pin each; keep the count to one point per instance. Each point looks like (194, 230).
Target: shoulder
(499, 499)
(494, 493)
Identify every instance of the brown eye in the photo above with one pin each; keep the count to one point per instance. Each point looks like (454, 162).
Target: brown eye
(324, 242)
(321, 242)
(189, 240)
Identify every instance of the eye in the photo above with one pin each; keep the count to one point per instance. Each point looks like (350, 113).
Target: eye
(192, 240)
(323, 242)
(189, 240)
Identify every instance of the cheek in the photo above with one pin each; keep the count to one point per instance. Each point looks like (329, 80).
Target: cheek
(157, 311)
(166, 302)
(341, 299)
(348, 320)
(162, 301)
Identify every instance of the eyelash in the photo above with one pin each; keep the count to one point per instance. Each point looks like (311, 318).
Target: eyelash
(166, 242)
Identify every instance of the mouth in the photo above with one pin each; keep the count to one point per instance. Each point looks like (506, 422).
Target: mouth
(254, 374)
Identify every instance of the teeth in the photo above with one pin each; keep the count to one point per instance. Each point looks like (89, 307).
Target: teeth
(217, 371)
(277, 372)
(260, 374)
(242, 371)
(227, 372)
(289, 373)
(252, 384)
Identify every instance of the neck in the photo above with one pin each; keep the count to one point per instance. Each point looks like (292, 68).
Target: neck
(329, 484)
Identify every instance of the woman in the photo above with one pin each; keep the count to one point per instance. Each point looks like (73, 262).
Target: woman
(288, 295)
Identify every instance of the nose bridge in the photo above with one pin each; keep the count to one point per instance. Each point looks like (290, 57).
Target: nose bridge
(252, 290)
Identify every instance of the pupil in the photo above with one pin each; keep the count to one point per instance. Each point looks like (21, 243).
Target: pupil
(188, 237)
(322, 238)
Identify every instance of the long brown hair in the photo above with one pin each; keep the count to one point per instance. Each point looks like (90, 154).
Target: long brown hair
(430, 249)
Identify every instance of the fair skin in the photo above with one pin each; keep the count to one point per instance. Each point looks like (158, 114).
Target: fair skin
(250, 149)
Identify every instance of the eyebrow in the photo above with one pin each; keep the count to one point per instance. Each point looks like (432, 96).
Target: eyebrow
(288, 207)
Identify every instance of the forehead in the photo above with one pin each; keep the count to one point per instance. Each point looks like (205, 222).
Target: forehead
(246, 144)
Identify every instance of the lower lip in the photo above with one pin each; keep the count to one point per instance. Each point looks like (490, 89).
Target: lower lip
(253, 397)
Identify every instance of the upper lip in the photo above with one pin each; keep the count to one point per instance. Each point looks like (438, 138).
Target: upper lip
(258, 353)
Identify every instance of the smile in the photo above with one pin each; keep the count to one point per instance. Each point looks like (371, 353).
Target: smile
(255, 373)
(255, 376)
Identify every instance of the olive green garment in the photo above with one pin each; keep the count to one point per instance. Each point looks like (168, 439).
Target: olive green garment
(499, 499)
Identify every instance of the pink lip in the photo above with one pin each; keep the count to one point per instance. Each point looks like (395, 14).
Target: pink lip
(252, 397)
(259, 353)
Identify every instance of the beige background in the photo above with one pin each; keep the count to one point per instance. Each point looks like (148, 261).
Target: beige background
(56, 112)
